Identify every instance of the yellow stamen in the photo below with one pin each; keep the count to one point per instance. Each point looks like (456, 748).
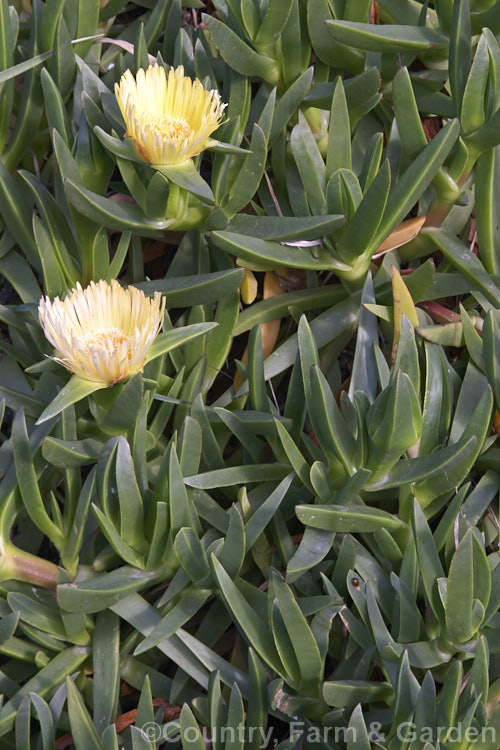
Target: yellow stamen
(105, 338)
(168, 126)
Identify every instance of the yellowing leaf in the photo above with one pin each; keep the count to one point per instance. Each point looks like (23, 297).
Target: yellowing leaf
(381, 311)
(271, 328)
(405, 232)
(252, 265)
(450, 334)
(403, 305)
(248, 288)
(274, 284)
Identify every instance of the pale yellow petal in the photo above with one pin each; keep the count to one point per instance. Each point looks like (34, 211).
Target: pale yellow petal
(102, 333)
(169, 117)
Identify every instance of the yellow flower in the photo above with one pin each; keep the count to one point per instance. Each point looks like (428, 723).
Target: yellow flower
(102, 333)
(169, 117)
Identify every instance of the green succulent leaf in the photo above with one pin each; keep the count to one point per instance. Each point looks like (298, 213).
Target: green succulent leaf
(346, 519)
(468, 589)
(386, 38)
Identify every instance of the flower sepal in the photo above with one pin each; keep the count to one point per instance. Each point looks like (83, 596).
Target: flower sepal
(124, 149)
(189, 196)
(181, 208)
(117, 408)
(190, 199)
(187, 177)
(226, 148)
(75, 390)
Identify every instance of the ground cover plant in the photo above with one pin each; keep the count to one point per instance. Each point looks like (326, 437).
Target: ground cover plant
(250, 374)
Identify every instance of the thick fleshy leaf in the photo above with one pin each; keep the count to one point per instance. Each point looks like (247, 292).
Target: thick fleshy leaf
(291, 228)
(387, 37)
(202, 289)
(255, 630)
(487, 210)
(175, 337)
(264, 513)
(302, 639)
(186, 176)
(28, 484)
(351, 692)
(468, 589)
(460, 50)
(416, 179)
(102, 591)
(110, 213)
(190, 601)
(237, 475)
(466, 262)
(83, 730)
(430, 564)
(345, 518)
(44, 682)
(248, 180)
(427, 467)
(239, 55)
(75, 390)
(106, 664)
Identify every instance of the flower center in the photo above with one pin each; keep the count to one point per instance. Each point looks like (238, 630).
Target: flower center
(109, 339)
(170, 127)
